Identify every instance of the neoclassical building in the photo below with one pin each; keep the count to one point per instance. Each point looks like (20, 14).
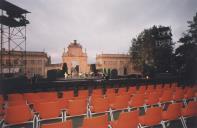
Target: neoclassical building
(75, 57)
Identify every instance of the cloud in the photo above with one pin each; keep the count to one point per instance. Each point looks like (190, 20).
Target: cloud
(100, 25)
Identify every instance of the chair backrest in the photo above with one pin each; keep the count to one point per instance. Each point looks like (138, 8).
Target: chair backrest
(100, 105)
(159, 86)
(83, 93)
(166, 86)
(77, 107)
(97, 92)
(122, 90)
(110, 91)
(121, 102)
(18, 114)
(166, 96)
(128, 119)
(68, 95)
(48, 96)
(31, 97)
(65, 124)
(141, 89)
(174, 110)
(132, 90)
(137, 100)
(17, 102)
(63, 103)
(150, 89)
(15, 97)
(153, 115)
(96, 122)
(189, 93)
(48, 110)
(153, 98)
(178, 94)
(190, 109)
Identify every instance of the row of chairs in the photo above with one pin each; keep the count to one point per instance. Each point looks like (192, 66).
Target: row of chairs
(113, 101)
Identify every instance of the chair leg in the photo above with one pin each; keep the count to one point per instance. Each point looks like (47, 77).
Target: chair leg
(163, 124)
(183, 122)
(111, 114)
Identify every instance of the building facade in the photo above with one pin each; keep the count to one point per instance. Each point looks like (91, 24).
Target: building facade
(13, 62)
(75, 58)
(121, 62)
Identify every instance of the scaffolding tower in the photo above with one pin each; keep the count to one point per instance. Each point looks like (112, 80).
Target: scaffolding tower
(13, 37)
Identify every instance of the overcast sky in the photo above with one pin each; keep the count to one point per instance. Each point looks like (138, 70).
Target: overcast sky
(101, 26)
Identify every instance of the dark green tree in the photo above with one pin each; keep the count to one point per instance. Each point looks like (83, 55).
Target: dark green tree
(152, 50)
(186, 53)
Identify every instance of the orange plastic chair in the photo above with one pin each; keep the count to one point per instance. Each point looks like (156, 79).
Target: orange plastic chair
(31, 97)
(137, 100)
(15, 97)
(77, 107)
(111, 97)
(122, 91)
(48, 110)
(159, 92)
(141, 89)
(66, 124)
(17, 102)
(190, 109)
(152, 117)
(152, 98)
(48, 96)
(132, 90)
(120, 102)
(166, 96)
(178, 94)
(18, 114)
(68, 95)
(97, 92)
(158, 86)
(166, 86)
(189, 93)
(150, 89)
(63, 103)
(110, 91)
(173, 112)
(100, 105)
(96, 122)
(126, 120)
(174, 86)
(83, 94)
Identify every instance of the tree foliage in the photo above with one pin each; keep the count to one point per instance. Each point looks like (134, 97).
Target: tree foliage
(186, 53)
(152, 50)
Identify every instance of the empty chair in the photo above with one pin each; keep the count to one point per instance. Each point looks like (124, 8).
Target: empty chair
(63, 103)
(122, 91)
(77, 107)
(17, 102)
(32, 97)
(166, 86)
(126, 120)
(100, 105)
(150, 89)
(159, 92)
(68, 95)
(66, 124)
(48, 110)
(166, 96)
(18, 115)
(152, 117)
(121, 102)
(190, 109)
(97, 92)
(189, 93)
(132, 90)
(158, 86)
(141, 89)
(137, 100)
(174, 86)
(110, 91)
(178, 94)
(111, 97)
(173, 112)
(48, 96)
(83, 94)
(15, 97)
(96, 122)
(152, 98)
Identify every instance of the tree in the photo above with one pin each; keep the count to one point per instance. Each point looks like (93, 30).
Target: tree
(152, 50)
(186, 53)
(65, 68)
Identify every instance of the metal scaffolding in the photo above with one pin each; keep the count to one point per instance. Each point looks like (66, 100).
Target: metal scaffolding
(13, 37)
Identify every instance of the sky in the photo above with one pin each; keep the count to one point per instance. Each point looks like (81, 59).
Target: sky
(100, 26)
